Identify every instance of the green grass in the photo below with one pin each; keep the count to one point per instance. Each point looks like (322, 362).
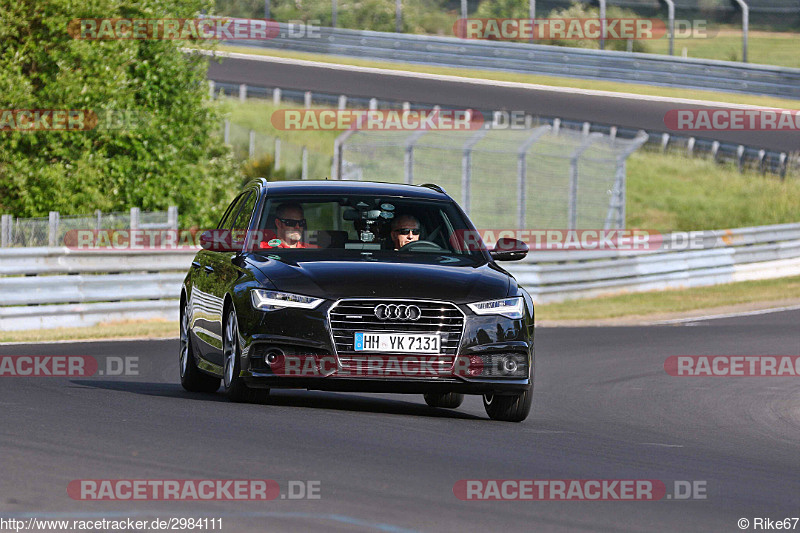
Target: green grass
(672, 301)
(766, 101)
(109, 330)
(672, 192)
(762, 48)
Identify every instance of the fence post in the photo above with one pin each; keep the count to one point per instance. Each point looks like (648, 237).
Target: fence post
(338, 154)
(172, 217)
(522, 172)
(227, 134)
(664, 141)
(307, 99)
(277, 153)
(5, 231)
(740, 158)
(714, 149)
(342, 102)
(466, 169)
(304, 171)
(53, 228)
(602, 24)
(252, 147)
(373, 104)
(671, 18)
(276, 96)
(135, 212)
(690, 145)
(398, 16)
(334, 10)
(782, 164)
(98, 219)
(572, 211)
(211, 89)
(556, 125)
(242, 92)
(586, 127)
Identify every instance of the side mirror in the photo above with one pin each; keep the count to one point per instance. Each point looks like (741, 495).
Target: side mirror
(508, 249)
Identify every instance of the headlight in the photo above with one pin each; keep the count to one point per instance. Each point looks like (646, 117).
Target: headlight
(508, 307)
(274, 300)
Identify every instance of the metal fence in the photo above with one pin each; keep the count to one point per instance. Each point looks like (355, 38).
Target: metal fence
(50, 231)
(542, 59)
(60, 287)
(742, 156)
(537, 177)
(298, 162)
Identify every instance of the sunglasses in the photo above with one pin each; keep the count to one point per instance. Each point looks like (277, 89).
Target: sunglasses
(292, 222)
(406, 231)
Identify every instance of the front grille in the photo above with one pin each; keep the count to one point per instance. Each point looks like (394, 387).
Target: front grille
(350, 316)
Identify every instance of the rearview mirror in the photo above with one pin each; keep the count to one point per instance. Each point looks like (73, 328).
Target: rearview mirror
(508, 249)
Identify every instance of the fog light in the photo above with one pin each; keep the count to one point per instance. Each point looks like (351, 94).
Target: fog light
(509, 364)
(274, 356)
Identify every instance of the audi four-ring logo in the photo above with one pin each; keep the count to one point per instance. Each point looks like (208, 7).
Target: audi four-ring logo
(397, 312)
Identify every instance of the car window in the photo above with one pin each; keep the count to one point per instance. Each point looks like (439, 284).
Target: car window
(227, 218)
(364, 224)
(243, 219)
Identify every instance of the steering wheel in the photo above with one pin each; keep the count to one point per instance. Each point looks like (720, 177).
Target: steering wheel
(420, 246)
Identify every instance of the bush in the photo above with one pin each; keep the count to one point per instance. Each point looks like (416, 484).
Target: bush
(168, 155)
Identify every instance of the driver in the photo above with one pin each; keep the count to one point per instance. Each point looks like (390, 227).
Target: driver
(405, 229)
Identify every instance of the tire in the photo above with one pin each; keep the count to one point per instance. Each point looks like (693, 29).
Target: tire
(513, 408)
(192, 378)
(449, 400)
(235, 388)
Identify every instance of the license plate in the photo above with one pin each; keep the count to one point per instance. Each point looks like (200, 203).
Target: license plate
(397, 342)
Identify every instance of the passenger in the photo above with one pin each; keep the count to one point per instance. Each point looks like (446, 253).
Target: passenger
(405, 229)
(290, 223)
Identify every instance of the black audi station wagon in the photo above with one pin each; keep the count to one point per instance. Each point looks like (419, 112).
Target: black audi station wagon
(356, 286)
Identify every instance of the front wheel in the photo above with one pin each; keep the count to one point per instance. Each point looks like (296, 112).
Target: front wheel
(192, 379)
(512, 408)
(449, 400)
(235, 387)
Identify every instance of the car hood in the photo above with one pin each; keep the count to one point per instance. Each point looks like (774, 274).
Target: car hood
(375, 279)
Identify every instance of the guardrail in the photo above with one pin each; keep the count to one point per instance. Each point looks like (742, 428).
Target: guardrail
(726, 256)
(60, 287)
(543, 59)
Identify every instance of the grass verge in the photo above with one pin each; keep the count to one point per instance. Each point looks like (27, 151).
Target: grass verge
(553, 81)
(107, 330)
(657, 304)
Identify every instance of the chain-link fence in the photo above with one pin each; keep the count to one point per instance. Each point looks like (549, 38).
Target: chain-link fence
(541, 177)
(50, 230)
(297, 161)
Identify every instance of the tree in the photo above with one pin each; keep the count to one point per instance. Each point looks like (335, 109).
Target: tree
(156, 143)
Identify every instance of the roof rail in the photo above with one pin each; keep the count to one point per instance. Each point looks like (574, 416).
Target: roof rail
(435, 187)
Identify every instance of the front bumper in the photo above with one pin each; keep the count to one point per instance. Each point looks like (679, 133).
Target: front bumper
(308, 333)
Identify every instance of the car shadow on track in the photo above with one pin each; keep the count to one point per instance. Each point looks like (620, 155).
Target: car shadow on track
(288, 398)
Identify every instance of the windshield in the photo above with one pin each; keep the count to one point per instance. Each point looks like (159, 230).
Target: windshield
(379, 225)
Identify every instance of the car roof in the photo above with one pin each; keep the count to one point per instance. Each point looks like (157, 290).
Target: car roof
(353, 187)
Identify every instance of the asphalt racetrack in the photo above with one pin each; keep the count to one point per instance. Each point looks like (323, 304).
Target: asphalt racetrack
(604, 408)
(639, 112)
